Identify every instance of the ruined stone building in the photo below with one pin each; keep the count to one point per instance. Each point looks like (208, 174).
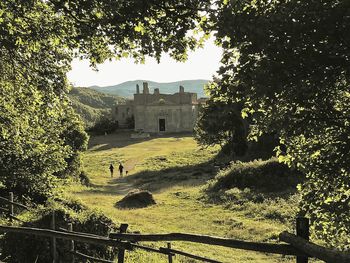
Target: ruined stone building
(159, 112)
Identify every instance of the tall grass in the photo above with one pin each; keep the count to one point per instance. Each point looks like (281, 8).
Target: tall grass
(259, 189)
(263, 176)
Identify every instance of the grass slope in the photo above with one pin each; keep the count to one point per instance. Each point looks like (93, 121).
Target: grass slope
(176, 171)
(91, 104)
(127, 89)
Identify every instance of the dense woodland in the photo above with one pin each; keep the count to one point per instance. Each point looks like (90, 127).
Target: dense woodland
(92, 106)
(285, 71)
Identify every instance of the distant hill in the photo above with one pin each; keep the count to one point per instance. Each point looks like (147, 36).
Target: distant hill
(91, 104)
(127, 89)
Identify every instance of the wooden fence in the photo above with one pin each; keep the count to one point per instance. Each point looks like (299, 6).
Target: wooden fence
(11, 204)
(297, 245)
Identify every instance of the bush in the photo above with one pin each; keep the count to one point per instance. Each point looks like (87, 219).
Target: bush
(263, 176)
(104, 125)
(28, 248)
(84, 179)
(263, 148)
(258, 189)
(136, 199)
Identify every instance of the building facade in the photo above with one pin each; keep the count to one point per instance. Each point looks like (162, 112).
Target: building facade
(159, 112)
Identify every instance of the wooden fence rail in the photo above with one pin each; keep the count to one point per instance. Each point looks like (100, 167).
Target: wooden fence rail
(8, 201)
(326, 254)
(282, 249)
(67, 236)
(298, 245)
(11, 204)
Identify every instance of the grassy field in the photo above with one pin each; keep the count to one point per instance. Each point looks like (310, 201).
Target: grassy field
(175, 170)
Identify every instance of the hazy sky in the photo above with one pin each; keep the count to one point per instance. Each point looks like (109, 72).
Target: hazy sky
(202, 64)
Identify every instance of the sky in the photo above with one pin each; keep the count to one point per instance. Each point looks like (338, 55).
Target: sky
(201, 64)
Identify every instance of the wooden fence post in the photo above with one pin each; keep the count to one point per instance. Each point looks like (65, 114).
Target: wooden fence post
(70, 229)
(121, 252)
(53, 239)
(11, 205)
(170, 256)
(302, 228)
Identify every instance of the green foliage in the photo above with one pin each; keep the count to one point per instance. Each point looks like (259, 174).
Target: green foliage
(84, 179)
(92, 105)
(288, 68)
(17, 247)
(88, 114)
(94, 98)
(37, 44)
(264, 148)
(221, 123)
(102, 29)
(104, 125)
(40, 135)
(37, 141)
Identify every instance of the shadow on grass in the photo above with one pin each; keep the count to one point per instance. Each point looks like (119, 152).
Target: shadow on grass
(123, 138)
(118, 187)
(192, 175)
(156, 181)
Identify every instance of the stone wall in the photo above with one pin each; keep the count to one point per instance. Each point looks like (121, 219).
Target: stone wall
(160, 112)
(178, 118)
(122, 112)
(177, 98)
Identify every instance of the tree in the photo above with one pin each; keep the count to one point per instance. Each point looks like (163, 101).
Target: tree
(287, 62)
(40, 136)
(220, 123)
(104, 125)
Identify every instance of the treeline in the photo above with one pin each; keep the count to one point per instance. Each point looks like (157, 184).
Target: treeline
(92, 106)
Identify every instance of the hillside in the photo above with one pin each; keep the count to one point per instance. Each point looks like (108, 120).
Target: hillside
(91, 104)
(127, 89)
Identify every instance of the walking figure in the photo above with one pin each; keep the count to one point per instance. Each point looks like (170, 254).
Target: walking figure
(111, 169)
(121, 167)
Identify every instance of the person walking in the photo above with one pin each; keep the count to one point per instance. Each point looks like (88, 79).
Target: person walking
(111, 169)
(121, 167)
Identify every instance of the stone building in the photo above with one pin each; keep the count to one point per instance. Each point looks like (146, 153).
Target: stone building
(159, 112)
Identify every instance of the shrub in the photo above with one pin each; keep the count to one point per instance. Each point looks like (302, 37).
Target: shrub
(259, 189)
(136, 199)
(84, 179)
(263, 176)
(104, 125)
(28, 248)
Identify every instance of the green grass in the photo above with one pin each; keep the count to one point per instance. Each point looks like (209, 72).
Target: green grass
(176, 171)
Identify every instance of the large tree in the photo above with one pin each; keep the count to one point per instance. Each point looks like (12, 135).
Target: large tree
(287, 62)
(40, 135)
(220, 123)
